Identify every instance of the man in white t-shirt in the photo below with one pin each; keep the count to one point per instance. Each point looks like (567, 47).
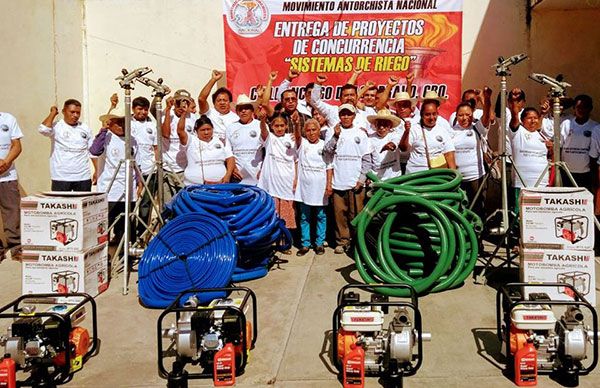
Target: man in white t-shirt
(10, 198)
(348, 95)
(221, 114)
(351, 151)
(71, 140)
(244, 138)
(174, 159)
(580, 141)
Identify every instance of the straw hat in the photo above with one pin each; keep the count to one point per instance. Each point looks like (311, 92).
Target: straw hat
(110, 116)
(404, 96)
(384, 114)
(244, 100)
(433, 95)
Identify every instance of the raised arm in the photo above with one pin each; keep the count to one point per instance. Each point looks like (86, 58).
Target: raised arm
(329, 112)
(487, 106)
(166, 124)
(515, 121)
(264, 128)
(354, 77)
(203, 106)
(265, 101)
(181, 132)
(385, 96)
(404, 144)
(287, 82)
(46, 127)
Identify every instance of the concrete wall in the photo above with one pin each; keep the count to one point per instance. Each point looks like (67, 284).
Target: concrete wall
(41, 66)
(75, 48)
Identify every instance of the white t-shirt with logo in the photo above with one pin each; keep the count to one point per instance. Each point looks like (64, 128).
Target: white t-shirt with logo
(438, 139)
(114, 152)
(144, 133)
(313, 164)
(469, 150)
(9, 131)
(386, 163)
(247, 148)
(173, 154)
(69, 157)
(413, 120)
(352, 145)
(206, 160)
(576, 142)
(221, 122)
(279, 168)
(331, 113)
(529, 157)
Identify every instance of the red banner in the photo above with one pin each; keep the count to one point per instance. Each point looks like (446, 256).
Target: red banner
(382, 38)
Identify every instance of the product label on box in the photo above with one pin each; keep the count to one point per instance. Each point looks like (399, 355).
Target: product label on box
(576, 268)
(72, 223)
(557, 218)
(64, 271)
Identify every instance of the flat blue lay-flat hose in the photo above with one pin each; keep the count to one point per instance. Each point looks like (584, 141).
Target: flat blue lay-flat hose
(249, 213)
(194, 250)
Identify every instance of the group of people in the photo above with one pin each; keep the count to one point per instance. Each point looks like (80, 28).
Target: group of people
(309, 155)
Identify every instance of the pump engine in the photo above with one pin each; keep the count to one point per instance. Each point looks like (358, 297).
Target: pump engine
(49, 344)
(216, 337)
(390, 352)
(561, 344)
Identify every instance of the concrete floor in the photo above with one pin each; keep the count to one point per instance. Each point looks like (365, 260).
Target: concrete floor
(295, 304)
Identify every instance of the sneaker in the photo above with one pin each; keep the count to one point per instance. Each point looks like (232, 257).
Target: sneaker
(320, 250)
(302, 251)
(339, 250)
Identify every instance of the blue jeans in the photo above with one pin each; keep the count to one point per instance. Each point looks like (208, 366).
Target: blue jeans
(305, 221)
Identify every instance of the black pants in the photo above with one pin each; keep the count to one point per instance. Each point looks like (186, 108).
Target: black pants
(72, 186)
(471, 188)
(582, 179)
(114, 209)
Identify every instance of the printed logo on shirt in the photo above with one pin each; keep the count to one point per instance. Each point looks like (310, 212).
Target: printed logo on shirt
(320, 151)
(114, 152)
(357, 140)
(469, 133)
(83, 135)
(218, 146)
(253, 133)
(149, 130)
(4, 127)
(288, 145)
(439, 138)
(188, 128)
(587, 133)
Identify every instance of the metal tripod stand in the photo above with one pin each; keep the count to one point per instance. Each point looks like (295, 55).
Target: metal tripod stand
(506, 228)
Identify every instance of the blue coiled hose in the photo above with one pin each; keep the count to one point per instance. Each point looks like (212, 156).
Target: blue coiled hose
(194, 250)
(250, 215)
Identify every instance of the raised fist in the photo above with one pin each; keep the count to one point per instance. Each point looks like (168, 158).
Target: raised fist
(216, 75)
(321, 78)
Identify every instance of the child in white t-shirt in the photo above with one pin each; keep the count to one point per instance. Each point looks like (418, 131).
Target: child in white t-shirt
(278, 176)
(314, 187)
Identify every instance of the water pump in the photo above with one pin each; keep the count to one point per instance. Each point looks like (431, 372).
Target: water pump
(563, 342)
(215, 337)
(363, 345)
(46, 339)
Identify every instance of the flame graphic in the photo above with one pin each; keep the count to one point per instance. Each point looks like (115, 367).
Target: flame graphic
(437, 30)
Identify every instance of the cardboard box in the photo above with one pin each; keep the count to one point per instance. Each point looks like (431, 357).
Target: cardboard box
(64, 271)
(64, 221)
(557, 218)
(560, 266)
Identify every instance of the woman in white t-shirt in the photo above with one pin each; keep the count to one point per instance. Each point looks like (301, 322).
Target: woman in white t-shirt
(530, 148)
(209, 160)
(384, 142)
(430, 143)
(470, 143)
(314, 187)
(278, 175)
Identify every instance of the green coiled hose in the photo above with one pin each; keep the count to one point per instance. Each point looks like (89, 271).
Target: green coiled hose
(417, 229)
